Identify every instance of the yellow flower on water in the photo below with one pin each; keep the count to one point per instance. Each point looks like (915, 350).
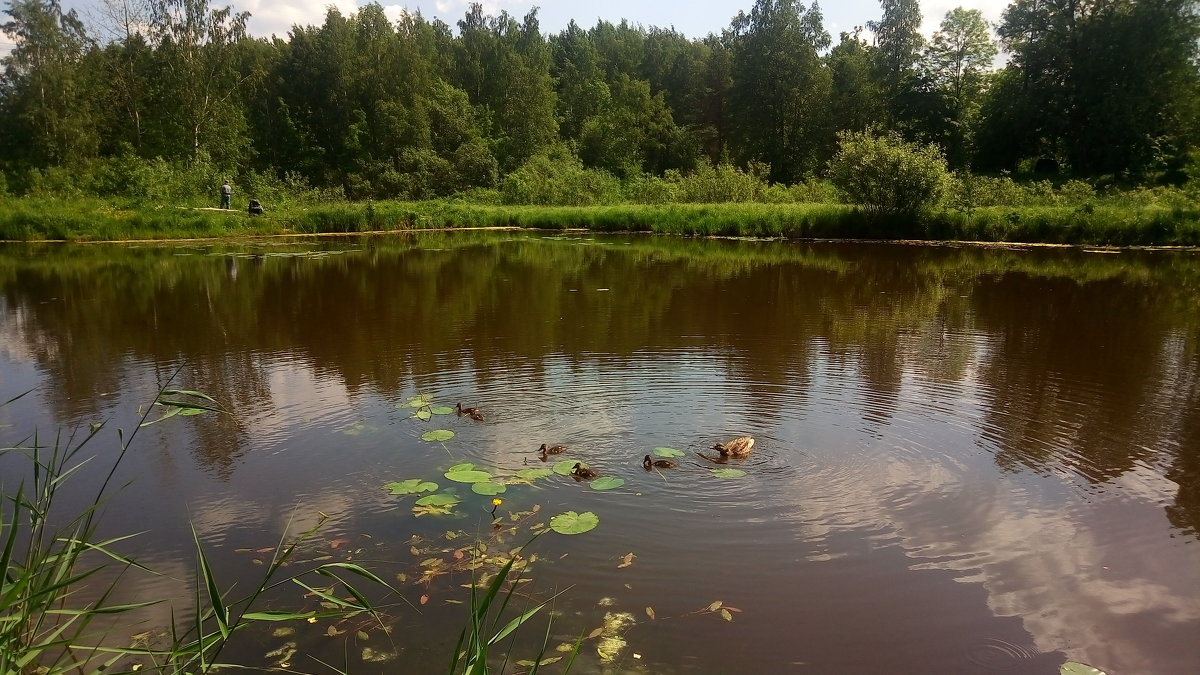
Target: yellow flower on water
(312, 619)
(497, 501)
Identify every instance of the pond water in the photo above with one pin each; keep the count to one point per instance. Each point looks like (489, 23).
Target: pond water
(968, 460)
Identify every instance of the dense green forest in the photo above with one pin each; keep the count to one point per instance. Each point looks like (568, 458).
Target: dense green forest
(165, 98)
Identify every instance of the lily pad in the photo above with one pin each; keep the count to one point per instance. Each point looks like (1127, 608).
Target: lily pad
(411, 486)
(533, 474)
(488, 488)
(607, 483)
(1076, 668)
(566, 466)
(422, 414)
(727, 473)
(440, 499)
(667, 452)
(419, 401)
(437, 435)
(465, 466)
(471, 476)
(441, 410)
(574, 523)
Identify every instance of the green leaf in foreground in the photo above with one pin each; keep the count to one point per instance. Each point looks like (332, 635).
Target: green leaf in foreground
(667, 452)
(441, 410)
(1076, 668)
(440, 499)
(437, 435)
(574, 523)
(488, 488)
(411, 486)
(566, 466)
(727, 473)
(607, 483)
(469, 476)
(534, 474)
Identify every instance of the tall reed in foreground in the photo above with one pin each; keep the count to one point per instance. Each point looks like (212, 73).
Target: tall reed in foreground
(44, 629)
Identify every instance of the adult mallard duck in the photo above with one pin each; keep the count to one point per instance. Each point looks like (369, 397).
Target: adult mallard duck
(582, 472)
(474, 413)
(648, 463)
(738, 447)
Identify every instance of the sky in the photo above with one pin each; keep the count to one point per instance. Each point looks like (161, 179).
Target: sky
(693, 18)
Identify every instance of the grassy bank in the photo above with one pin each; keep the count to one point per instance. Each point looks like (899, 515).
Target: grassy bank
(1121, 225)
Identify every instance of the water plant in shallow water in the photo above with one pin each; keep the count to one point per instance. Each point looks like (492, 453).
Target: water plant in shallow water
(411, 486)
(574, 523)
(667, 452)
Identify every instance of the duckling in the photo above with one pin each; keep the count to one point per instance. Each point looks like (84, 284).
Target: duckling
(648, 463)
(583, 473)
(738, 447)
(552, 450)
(474, 413)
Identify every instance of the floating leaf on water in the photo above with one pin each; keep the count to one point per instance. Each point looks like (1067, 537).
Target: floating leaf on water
(471, 476)
(422, 414)
(715, 606)
(411, 486)
(726, 615)
(610, 647)
(534, 474)
(607, 483)
(626, 560)
(465, 466)
(574, 523)
(371, 656)
(424, 599)
(437, 435)
(419, 401)
(440, 499)
(727, 473)
(488, 488)
(650, 613)
(596, 633)
(1076, 668)
(566, 466)
(361, 635)
(667, 452)
(441, 410)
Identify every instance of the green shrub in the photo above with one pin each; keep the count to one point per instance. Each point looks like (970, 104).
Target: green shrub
(888, 175)
(559, 179)
(716, 184)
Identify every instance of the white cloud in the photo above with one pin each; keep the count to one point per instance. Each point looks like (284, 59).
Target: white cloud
(269, 17)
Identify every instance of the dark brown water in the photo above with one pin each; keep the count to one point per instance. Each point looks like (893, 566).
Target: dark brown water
(967, 461)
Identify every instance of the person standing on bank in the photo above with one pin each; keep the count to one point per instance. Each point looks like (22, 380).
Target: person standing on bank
(226, 194)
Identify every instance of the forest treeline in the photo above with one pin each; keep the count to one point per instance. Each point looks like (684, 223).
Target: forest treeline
(363, 107)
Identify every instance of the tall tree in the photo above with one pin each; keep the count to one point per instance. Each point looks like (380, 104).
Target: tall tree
(957, 61)
(1116, 79)
(44, 91)
(504, 66)
(780, 91)
(198, 54)
(898, 45)
(856, 100)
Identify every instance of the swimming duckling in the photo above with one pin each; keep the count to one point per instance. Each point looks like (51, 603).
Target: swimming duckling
(583, 473)
(738, 447)
(552, 450)
(648, 463)
(474, 413)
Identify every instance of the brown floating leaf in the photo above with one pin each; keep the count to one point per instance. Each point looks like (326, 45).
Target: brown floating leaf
(458, 555)
(338, 543)
(596, 633)
(268, 549)
(732, 609)
(424, 598)
(650, 612)
(626, 560)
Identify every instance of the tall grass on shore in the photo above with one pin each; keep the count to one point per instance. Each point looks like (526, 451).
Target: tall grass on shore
(1118, 223)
